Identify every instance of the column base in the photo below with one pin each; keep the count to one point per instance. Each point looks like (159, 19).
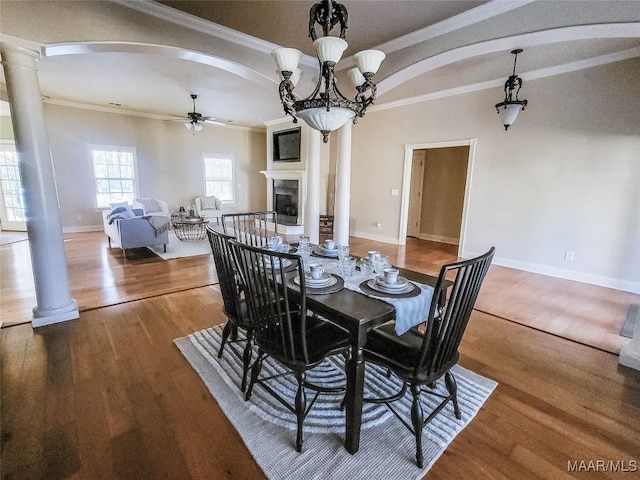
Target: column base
(630, 355)
(49, 316)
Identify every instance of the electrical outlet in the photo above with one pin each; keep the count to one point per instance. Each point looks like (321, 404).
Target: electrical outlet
(568, 256)
(379, 225)
(80, 218)
(395, 192)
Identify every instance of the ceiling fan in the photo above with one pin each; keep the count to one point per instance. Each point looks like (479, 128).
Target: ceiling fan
(197, 121)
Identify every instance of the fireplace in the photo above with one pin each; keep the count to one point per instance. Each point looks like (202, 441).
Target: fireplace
(286, 190)
(285, 201)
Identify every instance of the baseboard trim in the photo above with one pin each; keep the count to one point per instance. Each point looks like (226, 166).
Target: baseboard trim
(375, 238)
(439, 239)
(88, 228)
(582, 277)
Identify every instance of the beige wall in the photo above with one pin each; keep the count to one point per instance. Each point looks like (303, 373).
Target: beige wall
(563, 178)
(445, 175)
(170, 165)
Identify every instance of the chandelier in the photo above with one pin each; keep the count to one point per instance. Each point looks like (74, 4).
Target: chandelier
(327, 109)
(509, 108)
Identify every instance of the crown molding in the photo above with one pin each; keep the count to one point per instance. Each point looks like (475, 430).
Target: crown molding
(532, 75)
(235, 68)
(133, 113)
(278, 121)
(207, 27)
(18, 42)
(531, 39)
(462, 20)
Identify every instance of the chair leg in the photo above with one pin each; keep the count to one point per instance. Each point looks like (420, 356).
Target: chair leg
(234, 332)
(225, 335)
(417, 420)
(452, 387)
(301, 406)
(255, 371)
(246, 359)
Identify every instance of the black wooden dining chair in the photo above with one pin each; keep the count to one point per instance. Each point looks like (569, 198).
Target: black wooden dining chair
(251, 228)
(420, 359)
(282, 328)
(235, 307)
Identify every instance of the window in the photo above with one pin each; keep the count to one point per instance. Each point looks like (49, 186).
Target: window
(114, 171)
(11, 185)
(218, 177)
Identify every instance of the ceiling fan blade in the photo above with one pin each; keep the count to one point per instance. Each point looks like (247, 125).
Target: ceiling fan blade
(212, 121)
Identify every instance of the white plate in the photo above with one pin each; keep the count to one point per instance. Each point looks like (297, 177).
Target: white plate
(326, 251)
(406, 289)
(285, 263)
(326, 280)
(401, 283)
(329, 283)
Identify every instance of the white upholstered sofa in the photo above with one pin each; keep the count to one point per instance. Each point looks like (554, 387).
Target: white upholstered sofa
(152, 207)
(130, 229)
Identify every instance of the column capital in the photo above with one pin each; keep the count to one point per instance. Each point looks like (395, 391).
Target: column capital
(18, 55)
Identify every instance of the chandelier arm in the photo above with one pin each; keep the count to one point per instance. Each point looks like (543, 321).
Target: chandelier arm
(338, 92)
(286, 96)
(518, 85)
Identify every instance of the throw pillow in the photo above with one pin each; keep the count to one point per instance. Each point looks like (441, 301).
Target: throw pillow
(210, 203)
(118, 204)
(149, 204)
(122, 212)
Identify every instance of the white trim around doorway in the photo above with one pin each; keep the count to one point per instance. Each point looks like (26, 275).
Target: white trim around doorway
(406, 181)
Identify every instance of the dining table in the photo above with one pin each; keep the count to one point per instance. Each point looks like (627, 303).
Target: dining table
(358, 312)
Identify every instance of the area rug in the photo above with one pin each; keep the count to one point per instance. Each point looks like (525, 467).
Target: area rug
(387, 448)
(179, 249)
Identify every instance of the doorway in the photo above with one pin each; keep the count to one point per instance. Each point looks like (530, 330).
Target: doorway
(437, 179)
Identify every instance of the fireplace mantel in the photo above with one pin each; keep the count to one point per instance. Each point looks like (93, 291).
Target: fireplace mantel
(301, 177)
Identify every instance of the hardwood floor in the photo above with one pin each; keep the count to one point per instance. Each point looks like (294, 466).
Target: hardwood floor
(110, 396)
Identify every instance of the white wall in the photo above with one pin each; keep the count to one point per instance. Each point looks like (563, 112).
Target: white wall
(565, 177)
(170, 165)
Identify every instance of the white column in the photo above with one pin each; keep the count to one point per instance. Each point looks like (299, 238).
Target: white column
(44, 226)
(342, 205)
(312, 204)
(630, 354)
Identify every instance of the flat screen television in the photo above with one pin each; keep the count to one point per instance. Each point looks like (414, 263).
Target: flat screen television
(286, 145)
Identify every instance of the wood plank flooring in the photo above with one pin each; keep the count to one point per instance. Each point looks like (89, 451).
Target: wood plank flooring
(110, 396)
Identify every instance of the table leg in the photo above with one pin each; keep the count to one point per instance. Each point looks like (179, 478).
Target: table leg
(354, 395)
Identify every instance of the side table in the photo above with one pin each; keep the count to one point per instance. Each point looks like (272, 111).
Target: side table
(189, 229)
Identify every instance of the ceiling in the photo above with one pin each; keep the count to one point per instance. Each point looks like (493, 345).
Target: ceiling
(236, 82)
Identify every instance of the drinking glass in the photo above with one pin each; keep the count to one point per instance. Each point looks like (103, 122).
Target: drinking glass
(347, 266)
(304, 248)
(285, 248)
(382, 262)
(366, 267)
(343, 251)
(274, 243)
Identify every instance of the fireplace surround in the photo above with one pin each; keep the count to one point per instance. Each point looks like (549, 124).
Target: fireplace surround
(286, 194)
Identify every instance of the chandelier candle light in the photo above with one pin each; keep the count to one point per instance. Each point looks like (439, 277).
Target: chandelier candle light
(509, 108)
(327, 109)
